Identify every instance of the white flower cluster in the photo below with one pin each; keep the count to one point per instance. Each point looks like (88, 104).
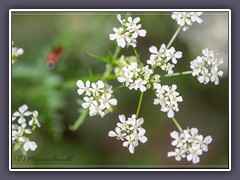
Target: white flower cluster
(168, 98)
(164, 58)
(16, 52)
(136, 77)
(189, 144)
(186, 19)
(130, 131)
(97, 96)
(206, 67)
(22, 129)
(122, 62)
(127, 34)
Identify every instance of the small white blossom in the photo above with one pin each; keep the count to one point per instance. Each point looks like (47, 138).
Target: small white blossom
(34, 119)
(130, 131)
(98, 97)
(21, 113)
(128, 32)
(23, 128)
(164, 58)
(136, 77)
(16, 52)
(186, 19)
(206, 67)
(167, 98)
(189, 144)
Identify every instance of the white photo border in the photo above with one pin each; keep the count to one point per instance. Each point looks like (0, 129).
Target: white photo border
(116, 10)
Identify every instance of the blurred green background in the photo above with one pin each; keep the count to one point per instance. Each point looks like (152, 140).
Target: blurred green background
(54, 93)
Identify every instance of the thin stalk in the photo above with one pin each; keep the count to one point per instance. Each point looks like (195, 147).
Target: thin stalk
(174, 36)
(139, 104)
(137, 56)
(179, 73)
(177, 124)
(79, 121)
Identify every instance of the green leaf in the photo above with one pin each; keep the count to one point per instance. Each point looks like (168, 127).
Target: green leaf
(99, 58)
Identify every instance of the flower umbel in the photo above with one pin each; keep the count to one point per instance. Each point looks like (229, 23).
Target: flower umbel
(164, 58)
(189, 144)
(206, 67)
(98, 97)
(127, 34)
(130, 131)
(168, 98)
(186, 19)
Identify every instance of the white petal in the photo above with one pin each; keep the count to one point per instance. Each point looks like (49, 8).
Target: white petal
(189, 157)
(112, 134)
(26, 146)
(27, 113)
(80, 91)
(80, 84)
(21, 120)
(23, 108)
(32, 145)
(195, 160)
(131, 148)
(122, 118)
(170, 113)
(113, 101)
(174, 134)
(208, 140)
(143, 139)
(16, 113)
(153, 49)
(170, 154)
(125, 144)
(194, 131)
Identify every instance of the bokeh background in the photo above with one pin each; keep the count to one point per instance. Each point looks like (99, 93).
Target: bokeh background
(54, 93)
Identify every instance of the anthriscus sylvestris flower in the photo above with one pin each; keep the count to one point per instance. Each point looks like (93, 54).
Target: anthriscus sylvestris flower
(130, 131)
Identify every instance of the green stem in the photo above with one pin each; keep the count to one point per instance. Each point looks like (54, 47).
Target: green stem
(116, 52)
(137, 56)
(79, 121)
(179, 73)
(105, 75)
(139, 104)
(118, 87)
(177, 124)
(174, 36)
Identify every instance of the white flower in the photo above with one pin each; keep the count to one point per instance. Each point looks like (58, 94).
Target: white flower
(136, 77)
(130, 131)
(34, 119)
(179, 139)
(21, 130)
(178, 154)
(16, 52)
(118, 134)
(204, 142)
(83, 88)
(164, 58)
(29, 145)
(97, 96)
(185, 19)
(128, 32)
(189, 144)
(106, 100)
(167, 98)
(206, 67)
(130, 143)
(96, 109)
(21, 113)
(194, 154)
